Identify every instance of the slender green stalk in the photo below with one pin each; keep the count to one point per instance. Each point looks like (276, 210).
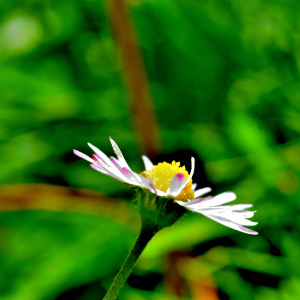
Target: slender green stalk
(156, 213)
(145, 235)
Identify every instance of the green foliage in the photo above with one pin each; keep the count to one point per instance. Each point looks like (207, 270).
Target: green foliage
(225, 82)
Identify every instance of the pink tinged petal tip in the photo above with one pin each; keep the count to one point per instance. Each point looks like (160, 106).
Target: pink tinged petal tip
(247, 230)
(129, 174)
(107, 167)
(176, 185)
(124, 171)
(180, 176)
(82, 155)
(116, 164)
(100, 154)
(98, 159)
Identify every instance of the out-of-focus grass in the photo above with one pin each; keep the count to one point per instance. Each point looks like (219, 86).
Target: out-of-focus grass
(225, 84)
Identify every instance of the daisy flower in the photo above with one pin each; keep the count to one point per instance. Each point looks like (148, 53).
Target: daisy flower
(170, 181)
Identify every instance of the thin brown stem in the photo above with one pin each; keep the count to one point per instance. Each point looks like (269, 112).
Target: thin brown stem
(135, 77)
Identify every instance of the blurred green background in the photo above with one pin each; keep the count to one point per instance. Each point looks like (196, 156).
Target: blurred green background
(224, 78)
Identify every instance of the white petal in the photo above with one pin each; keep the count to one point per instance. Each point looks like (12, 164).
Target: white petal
(131, 177)
(113, 169)
(240, 206)
(243, 221)
(194, 185)
(191, 174)
(161, 193)
(228, 214)
(118, 152)
(82, 155)
(217, 200)
(97, 168)
(127, 172)
(147, 162)
(200, 203)
(98, 159)
(176, 185)
(148, 184)
(233, 216)
(108, 165)
(100, 154)
(202, 191)
(110, 169)
(227, 209)
(98, 164)
(231, 224)
(116, 163)
(244, 213)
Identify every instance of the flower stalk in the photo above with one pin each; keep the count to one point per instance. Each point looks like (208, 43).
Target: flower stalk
(148, 230)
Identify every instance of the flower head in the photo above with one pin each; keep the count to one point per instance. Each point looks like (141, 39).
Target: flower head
(170, 181)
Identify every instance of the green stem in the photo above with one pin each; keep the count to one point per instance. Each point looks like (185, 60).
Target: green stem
(145, 235)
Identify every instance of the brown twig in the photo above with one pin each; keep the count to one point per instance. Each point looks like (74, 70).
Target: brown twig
(135, 78)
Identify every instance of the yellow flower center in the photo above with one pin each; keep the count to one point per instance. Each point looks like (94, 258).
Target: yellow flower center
(162, 174)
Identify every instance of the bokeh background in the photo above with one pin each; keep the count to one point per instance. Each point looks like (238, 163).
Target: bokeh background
(218, 80)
